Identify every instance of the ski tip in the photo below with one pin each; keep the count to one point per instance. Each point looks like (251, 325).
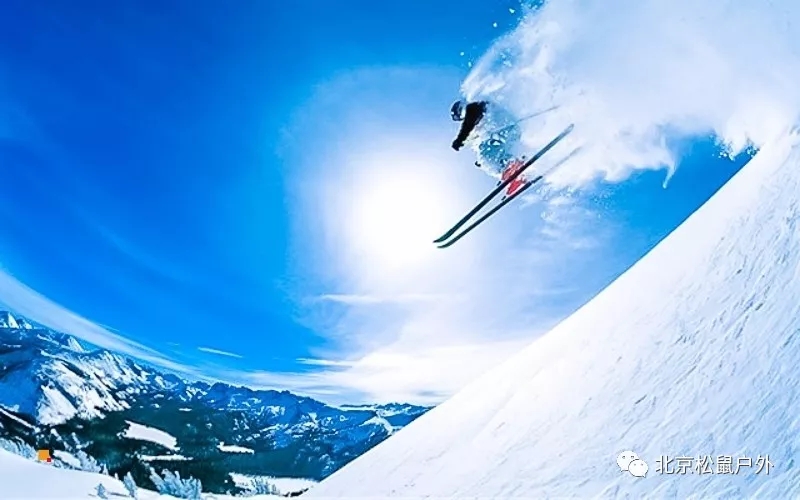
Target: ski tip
(446, 236)
(452, 241)
(442, 244)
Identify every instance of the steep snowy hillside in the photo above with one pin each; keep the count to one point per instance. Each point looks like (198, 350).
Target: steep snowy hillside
(693, 352)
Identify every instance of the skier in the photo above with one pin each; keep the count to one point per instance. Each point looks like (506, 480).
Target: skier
(494, 156)
(494, 130)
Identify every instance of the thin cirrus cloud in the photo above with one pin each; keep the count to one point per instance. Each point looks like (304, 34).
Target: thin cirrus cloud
(365, 299)
(219, 352)
(23, 300)
(323, 362)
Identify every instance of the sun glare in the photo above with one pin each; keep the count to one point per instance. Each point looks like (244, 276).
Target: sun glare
(394, 224)
(396, 212)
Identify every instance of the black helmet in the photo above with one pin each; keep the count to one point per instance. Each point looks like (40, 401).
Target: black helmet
(457, 111)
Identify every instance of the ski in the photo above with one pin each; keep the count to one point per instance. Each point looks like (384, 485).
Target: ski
(505, 201)
(491, 212)
(497, 190)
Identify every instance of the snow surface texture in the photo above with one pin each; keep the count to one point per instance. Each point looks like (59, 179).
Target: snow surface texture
(25, 479)
(284, 485)
(638, 75)
(691, 352)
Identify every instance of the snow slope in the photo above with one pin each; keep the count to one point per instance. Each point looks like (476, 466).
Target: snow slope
(285, 485)
(21, 478)
(694, 351)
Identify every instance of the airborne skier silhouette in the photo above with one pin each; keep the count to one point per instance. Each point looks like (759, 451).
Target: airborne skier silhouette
(495, 134)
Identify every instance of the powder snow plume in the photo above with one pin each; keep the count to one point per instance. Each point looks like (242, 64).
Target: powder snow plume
(635, 77)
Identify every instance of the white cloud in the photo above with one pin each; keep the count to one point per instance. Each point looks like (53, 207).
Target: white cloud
(219, 352)
(23, 300)
(634, 76)
(323, 362)
(423, 375)
(353, 299)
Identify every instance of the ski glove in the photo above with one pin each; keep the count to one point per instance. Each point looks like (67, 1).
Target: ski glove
(457, 144)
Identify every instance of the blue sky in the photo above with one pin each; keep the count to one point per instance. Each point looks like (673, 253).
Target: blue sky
(176, 175)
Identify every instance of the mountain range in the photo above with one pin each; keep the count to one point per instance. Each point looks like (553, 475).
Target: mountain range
(89, 405)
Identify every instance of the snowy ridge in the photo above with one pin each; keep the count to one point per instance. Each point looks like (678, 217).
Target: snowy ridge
(74, 345)
(397, 415)
(7, 320)
(692, 352)
(53, 378)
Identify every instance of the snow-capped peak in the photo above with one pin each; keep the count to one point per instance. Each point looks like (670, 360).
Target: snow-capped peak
(7, 320)
(74, 345)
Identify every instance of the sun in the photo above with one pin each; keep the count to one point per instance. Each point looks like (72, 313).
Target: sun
(397, 208)
(396, 218)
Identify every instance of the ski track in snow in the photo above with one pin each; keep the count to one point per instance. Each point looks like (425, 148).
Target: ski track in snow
(691, 352)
